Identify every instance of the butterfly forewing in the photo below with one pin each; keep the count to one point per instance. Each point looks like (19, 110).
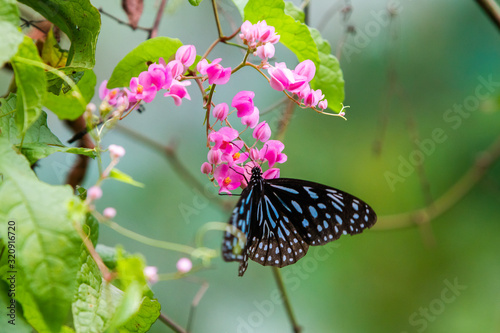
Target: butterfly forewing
(282, 217)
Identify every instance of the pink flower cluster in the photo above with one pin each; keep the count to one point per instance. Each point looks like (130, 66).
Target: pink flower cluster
(259, 38)
(297, 82)
(228, 157)
(166, 76)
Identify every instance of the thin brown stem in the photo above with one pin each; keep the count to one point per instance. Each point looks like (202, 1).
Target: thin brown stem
(172, 324)
(154, 29)
(217, 20)
(281, 286)
(492, 9)
(120, 21)
(449, 199)
(196, 300)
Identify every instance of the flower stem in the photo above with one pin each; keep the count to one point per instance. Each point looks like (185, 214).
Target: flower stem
(170, 323)
(288, 306)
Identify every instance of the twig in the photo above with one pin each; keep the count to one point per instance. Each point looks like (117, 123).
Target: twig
(449, 198)
(286, 300)
(492, 9)
(196, 300)
(172, 324)
(120, 21)
(154, 29)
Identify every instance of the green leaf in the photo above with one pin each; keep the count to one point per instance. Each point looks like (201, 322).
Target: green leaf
(96, 300)
(11, 37)
(39, 141)
(47, 244)
(79, 20)
(293, 34)
(11, 322)
(57, 84)
(91, 228)
(328, 76)
(130, 269)
(195, 2)
(144, 318)
(136, 60)
(129, 305)
(31, 85)
(294, 11)
(124, 178)
(108, 255)
(67, 106)
(52, 54)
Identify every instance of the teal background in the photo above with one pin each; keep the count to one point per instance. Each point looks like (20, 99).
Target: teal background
(381, 280)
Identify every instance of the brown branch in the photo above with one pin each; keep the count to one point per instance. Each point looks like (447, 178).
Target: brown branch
(172, 324)
(154, 29)
(492, 9)
(449, 198)
(120, 21)
(78, 171)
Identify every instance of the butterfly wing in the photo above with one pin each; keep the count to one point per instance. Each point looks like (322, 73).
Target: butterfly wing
(234, 245)
(296, 213)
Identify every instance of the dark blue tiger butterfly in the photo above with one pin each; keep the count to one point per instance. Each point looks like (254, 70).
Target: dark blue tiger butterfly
(276, 220)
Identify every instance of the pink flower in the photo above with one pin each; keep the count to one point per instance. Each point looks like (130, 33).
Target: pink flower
(271, 173)
(176, 68)
(323, 104)
(109, 212)
(220, 111)
(160, 77)
(113, 96)
(265, 51)
(215, 72)
(254, 154)
(178, 91)
(206, 168)
(306, 69)
(243, 102)
(262, 132)
(151, 274)
(142, 88)
(223, 138)
(186, 54)
(116, 151)
(227, 178)
(283, 78)
(258, 34)
(235, 155)
(184, 265)
(252, 119)
(214, 156)
(272, 152)
(313, 97)
(94, 193)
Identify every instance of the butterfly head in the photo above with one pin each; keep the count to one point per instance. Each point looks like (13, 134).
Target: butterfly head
(256, 173)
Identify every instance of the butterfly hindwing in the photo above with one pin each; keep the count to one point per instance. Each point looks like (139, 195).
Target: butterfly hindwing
(275, 221)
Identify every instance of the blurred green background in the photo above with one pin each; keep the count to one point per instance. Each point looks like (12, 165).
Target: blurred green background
(427, 60)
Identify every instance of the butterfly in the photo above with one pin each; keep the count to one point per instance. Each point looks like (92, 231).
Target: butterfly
(276, 220)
